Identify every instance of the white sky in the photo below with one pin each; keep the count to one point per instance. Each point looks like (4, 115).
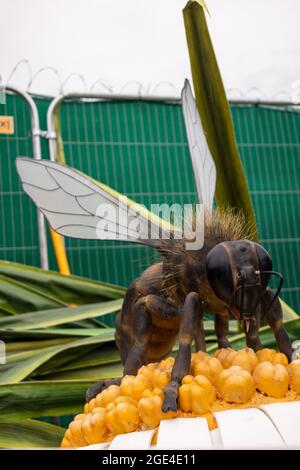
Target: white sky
(257, 42)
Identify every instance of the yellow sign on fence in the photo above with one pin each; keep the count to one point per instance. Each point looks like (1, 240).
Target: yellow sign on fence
(6, 125)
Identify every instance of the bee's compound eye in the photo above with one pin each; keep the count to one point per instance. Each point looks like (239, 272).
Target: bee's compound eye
(220, 273)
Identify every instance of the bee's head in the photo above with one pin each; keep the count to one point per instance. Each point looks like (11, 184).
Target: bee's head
(239, 273)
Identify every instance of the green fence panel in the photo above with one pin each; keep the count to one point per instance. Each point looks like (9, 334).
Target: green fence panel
(18, 222)
(140, 149)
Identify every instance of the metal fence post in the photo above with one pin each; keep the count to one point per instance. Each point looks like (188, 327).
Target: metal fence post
(36, 148)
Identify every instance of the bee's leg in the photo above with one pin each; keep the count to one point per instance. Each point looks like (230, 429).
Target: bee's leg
(145, 311)
(142, 312)
(222, 330)
(98, 387)
(191, 311)
(199, 333)
(274, 318)
(122, 337)
(141, 329)
(136, 356)
(252, 338)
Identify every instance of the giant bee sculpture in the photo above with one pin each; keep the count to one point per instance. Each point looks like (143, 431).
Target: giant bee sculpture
(227, 277)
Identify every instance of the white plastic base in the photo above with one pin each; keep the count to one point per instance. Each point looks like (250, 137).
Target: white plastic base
(274, 426)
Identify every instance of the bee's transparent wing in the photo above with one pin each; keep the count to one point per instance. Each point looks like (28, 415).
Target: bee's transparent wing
(204, 168)
(77, 206)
